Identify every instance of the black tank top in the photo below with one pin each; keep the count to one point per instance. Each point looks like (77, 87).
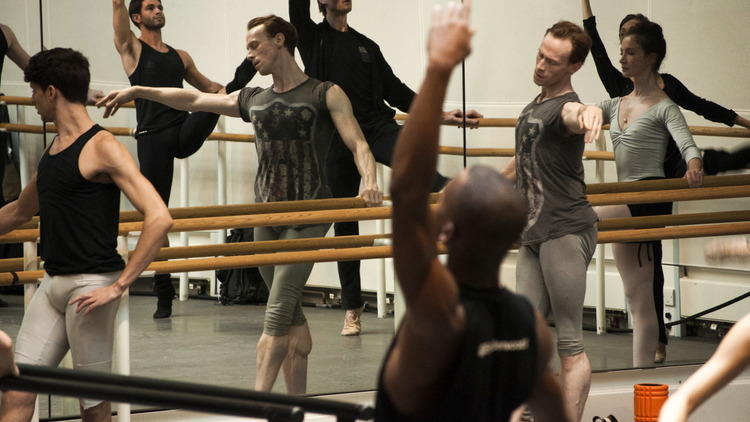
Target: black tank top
(157, 69)
(79, 218)
(495, 367)
(3, 50)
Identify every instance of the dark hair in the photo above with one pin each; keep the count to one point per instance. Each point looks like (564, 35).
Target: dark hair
(490, 210)
(629, 17)
(322, 8)
(650, 37)
(134, 8)
(64, 68)
(275, 25)
(565, 30)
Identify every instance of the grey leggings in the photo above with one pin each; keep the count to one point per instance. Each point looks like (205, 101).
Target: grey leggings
(552, 275)
(286, 282)
(51, 326)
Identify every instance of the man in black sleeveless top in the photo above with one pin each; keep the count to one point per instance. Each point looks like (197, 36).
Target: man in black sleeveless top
(334, 51)
(76, 192)
(467, 350)
(164, 133)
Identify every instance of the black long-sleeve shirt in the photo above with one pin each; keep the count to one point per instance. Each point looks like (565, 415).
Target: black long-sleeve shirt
(618, 85)
(352, 61)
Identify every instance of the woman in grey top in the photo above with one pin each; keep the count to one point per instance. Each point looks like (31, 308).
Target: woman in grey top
(641, 125)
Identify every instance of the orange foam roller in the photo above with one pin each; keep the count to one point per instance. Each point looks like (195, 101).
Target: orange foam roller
(648, 400)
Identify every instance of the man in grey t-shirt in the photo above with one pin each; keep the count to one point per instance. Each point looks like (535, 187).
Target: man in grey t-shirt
(560, 235)
(294, 122)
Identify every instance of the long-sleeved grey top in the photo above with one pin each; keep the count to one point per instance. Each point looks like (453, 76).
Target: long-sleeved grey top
(639, 149)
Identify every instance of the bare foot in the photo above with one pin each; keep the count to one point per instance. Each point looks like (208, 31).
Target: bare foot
(727, 248)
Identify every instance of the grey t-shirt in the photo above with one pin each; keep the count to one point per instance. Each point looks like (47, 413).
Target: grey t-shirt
(293, 132)
(641, 147)
(549, 172)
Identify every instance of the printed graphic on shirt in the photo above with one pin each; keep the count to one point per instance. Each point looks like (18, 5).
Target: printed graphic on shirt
(489, 347)
(528, 178)
(288, 162)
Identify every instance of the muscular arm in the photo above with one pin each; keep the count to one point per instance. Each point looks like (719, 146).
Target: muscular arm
(731, 358)
(546, 400)
(113, 160)
(16, 53)
(126, 43)
(582, 119)
(177, 98)
(195, 78)
(22, 209)
(350, 132)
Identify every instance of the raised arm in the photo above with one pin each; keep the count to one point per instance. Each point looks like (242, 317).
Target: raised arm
(114, 161)
(22, 209)
(684, 98)
(195, 78)
(16, 53)
(177, 98)
(415, 162)
(126, 43)
(731, 357)
(350, 132)
(546, 400)
(678, 128)
(612, 79)
(299, 16)
(583, 119)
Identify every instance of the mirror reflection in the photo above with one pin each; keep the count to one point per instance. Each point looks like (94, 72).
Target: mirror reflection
(182, 325)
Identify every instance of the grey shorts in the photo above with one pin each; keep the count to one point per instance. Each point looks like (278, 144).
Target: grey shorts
(552, 275)
(51, 327)
(286, 282)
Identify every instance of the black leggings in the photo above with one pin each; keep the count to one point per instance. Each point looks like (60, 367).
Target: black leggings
(157, 150)
(344, 180)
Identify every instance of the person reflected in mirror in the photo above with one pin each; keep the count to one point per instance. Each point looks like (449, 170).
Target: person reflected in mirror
(560, 234)
(294, 122)
(334, 51)
(164, 133)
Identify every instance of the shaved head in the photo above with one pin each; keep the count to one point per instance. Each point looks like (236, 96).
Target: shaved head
(487, 212)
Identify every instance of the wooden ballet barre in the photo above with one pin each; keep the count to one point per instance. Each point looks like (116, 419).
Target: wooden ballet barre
(377, 252)
(659, 221)
(241, 248)
(339, 215)
(684, 232)
(661, 184)
(671, 195)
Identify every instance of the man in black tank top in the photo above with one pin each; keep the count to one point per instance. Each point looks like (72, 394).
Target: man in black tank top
(164, 133)
(76, 192)
(467, 349)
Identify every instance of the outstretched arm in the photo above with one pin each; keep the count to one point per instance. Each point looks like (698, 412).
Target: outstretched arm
(732, 356)
(177, 98)
(350, 132)
(299, 16)
(16, 53)
(583, 119)
(684, 98)
(115, 162)
(586, 9)
(614, 82)
(195, 78)
(126, 43)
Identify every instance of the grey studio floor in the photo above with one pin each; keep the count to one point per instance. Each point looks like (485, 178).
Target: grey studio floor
(206, 342)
